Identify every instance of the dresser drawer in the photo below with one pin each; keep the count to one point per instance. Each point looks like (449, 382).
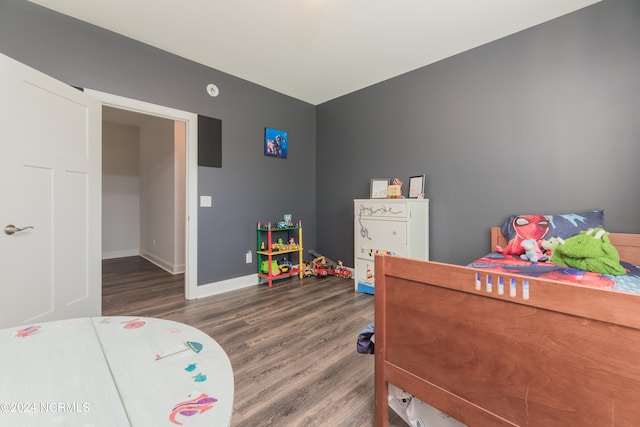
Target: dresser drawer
(369, 252)
(382, 210)
(379, 233)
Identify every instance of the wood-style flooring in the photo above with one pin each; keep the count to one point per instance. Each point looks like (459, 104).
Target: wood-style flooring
(292, 347)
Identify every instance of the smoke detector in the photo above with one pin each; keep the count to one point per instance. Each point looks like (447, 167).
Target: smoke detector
(212, 89)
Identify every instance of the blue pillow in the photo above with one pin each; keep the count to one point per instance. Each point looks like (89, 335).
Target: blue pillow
(563, 226)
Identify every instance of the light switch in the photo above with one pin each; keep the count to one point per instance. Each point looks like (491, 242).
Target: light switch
(205, 201)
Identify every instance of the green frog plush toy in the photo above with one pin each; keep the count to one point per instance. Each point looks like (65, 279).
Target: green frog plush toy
(590, 250)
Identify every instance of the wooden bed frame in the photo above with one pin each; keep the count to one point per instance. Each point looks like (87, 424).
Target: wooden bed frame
(547, 354)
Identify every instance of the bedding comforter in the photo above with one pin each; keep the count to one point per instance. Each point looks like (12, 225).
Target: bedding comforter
(513, 264)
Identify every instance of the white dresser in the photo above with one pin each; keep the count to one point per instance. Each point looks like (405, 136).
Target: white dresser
(397, 227)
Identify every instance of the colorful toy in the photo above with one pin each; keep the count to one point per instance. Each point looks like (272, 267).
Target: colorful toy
(550, 245)
(342, 271)
(532, 251)
(320, 268)
(527, 227)
(278, 246)
(275, 270)
(323, 266)
(285, 266)
(590, 250)
(307, 271)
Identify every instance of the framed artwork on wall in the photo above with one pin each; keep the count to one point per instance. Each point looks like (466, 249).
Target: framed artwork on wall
(379, 188)
(416, 187)
(276, 143)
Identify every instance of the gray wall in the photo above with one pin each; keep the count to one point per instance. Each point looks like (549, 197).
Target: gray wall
(249, 187)
(544, 121)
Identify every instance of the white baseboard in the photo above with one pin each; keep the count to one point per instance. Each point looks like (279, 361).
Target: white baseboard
(222, 286)
(178, 268)
(233, 284)
(165, 265)
(162, 263)
(120, 254)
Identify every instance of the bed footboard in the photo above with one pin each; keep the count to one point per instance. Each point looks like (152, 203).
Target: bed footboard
(493, 349)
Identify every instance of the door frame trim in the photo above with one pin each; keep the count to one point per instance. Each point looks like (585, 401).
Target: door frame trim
(191, 175)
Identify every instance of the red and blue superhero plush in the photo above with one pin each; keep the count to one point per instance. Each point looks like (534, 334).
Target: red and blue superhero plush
(526, 227)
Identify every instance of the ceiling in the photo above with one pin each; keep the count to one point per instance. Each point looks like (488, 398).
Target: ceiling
(315, 50)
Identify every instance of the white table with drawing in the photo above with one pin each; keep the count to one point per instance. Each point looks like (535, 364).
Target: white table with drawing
(113, 371)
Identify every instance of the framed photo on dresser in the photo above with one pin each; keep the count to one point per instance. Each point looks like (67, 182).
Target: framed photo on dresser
(379, 188)
(416, 187)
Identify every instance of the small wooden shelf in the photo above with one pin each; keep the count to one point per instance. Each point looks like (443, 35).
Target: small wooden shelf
(269, 233)
(286, 251)
(292, 272)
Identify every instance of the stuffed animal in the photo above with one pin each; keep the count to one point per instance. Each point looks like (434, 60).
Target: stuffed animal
(525, 227)
(549, 245)
(590, 250)
(532, 251)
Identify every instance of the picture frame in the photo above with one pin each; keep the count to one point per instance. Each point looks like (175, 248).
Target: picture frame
(379, 188)
(276, 143)
(416, 187)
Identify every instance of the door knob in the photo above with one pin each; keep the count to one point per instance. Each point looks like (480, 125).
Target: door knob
(12, 229)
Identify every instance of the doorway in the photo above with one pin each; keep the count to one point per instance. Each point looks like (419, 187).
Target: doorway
(129, 111)
(143, 188)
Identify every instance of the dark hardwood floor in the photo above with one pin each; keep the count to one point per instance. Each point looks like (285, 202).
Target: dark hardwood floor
(292, 346)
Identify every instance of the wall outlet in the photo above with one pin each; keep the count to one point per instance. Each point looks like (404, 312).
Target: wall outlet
(248, 257)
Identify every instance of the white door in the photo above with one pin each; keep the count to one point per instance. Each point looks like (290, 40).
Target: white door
(50, 165)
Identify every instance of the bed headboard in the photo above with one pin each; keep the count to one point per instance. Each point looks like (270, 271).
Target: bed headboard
(497, 238)
(627, 245)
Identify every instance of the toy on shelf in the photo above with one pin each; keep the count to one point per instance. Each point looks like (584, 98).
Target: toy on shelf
(292, 244)
(285, 265)
(274, 267)
(279, 245)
